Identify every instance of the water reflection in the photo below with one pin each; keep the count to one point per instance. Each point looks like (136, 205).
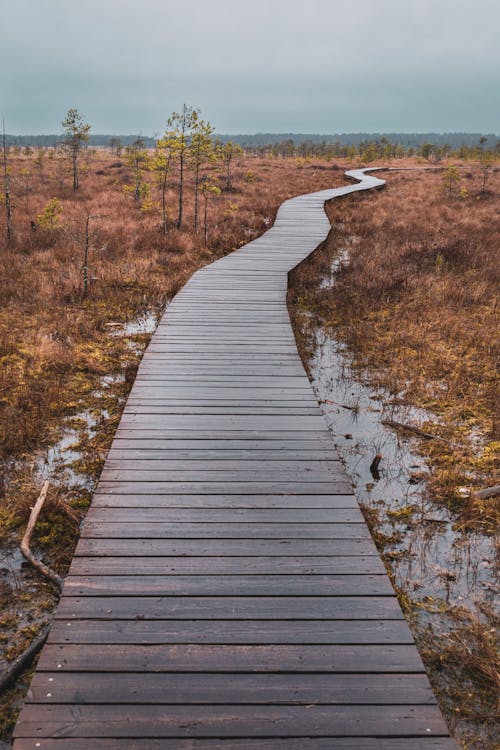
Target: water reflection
(429, 557)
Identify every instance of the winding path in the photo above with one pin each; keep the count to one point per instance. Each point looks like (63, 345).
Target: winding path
(225, 593)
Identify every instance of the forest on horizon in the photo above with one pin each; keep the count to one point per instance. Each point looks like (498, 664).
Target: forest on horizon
(256, 140)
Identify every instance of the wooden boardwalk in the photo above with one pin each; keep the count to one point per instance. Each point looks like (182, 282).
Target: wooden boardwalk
(225, 593)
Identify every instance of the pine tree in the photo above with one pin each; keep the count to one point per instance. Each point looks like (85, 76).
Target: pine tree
(181, 126)
(76, 133)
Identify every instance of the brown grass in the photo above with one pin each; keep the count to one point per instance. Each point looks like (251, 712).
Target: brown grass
(467, 651)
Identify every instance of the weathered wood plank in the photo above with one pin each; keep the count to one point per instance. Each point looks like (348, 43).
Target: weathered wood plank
(290, 743)
(266, 410)
(350, 566)
(201, 452)
(231, 608)
(217, 515)
(269, 445)
(221, 464)
(158, 530)
(233, 547)
(339, 487)
(230, 721)
(263, 632)
(227, 502)
(241, 423)
(223, 658)
(228, 585)
(178, 688)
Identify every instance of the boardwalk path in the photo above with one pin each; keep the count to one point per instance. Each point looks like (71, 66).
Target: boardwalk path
(226, 593)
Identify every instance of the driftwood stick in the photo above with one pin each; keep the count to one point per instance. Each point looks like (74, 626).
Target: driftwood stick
(25, 542)
(487, 492)
(412, 428)
(336, 403)
(23, 660)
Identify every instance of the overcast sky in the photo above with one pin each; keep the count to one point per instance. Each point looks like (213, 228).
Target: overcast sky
(314, 66)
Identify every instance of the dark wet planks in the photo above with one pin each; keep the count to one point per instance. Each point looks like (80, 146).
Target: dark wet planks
(250, 632)
(179, 688)
(116, 721)
(290, 743)
(202, 547)
(225, 593)
(229, 584)
(331, 565)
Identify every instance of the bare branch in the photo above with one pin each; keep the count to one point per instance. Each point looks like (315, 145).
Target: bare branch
(25, 542)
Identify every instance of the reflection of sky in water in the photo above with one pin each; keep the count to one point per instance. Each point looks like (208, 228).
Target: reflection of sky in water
(144, 324)
(439, 561)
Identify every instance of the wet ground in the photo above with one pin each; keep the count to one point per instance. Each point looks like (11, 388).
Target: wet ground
(435, 560)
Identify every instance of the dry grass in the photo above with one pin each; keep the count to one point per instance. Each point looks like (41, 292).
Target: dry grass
(468, 652)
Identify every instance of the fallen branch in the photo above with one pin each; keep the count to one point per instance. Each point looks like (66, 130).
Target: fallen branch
(411, 428)
(25, 542)
(336, 403)
(487, 493)
(23, 660)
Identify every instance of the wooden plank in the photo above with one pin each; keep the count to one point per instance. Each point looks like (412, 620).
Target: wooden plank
(223, 658)
(138, 432)
(290, 743)
(220, 409)
(227, 466)
(114, 530)
(231, 608)
(230, 721)
(232, 547)
(178, 688)
(228, 423)
(200, 452)
(263, 632)
(223, 444)
(150, 472)
(236, 486)
(83, 566)
(217, 515)
(227, 502)
(228, 585)
(165, 402)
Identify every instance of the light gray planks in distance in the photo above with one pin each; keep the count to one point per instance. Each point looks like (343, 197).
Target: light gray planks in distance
(225, 593)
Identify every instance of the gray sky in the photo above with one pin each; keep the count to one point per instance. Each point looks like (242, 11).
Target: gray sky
(321, 66)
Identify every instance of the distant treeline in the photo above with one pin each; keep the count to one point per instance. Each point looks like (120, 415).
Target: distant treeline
(453, 141)
(407, 140)
(42, 141)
